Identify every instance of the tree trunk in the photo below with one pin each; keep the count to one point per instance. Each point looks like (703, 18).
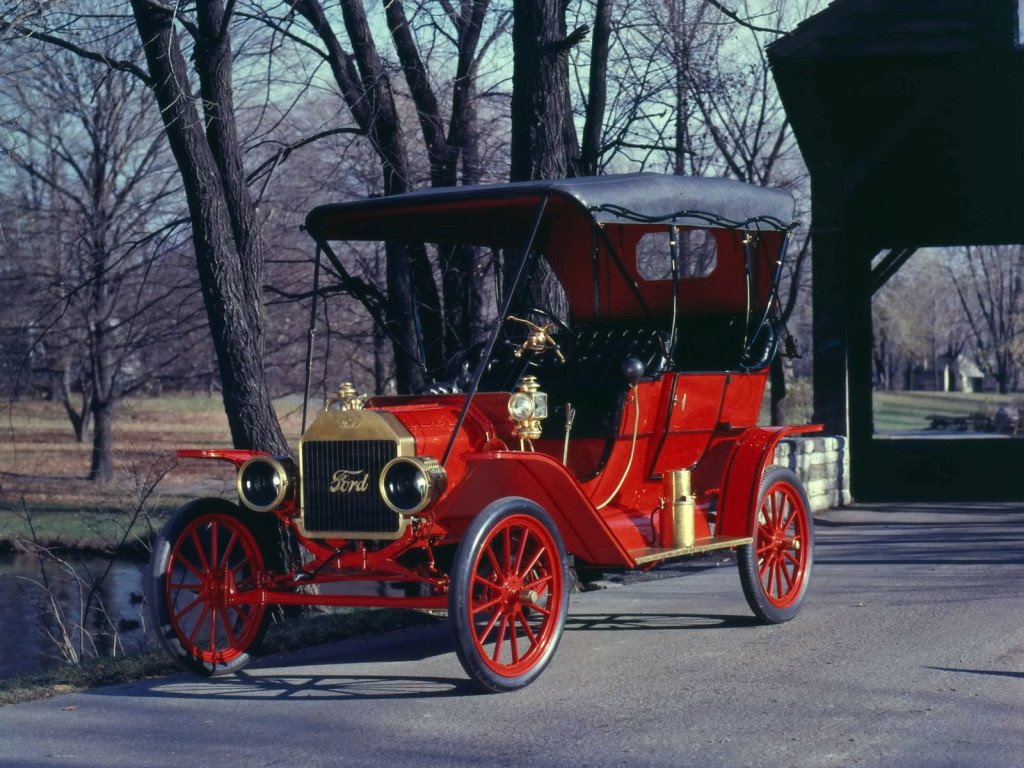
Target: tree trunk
(409, 374)
(79, 418)
(456, 264)
(443, 153)
(544, 143)
(481, 279)
(483, 294)
(590, 162)
(102, 467)
(225, 229)
(380, 362)
(683, 78)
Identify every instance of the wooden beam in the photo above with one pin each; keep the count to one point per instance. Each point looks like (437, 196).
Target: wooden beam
(889, 266)
(898, 130)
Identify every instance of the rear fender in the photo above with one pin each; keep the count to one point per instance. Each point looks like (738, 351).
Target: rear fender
(741, 481)
(545, 481)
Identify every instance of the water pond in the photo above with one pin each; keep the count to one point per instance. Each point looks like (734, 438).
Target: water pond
(26, 612)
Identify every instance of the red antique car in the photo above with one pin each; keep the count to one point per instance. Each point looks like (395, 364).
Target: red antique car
(618, 434)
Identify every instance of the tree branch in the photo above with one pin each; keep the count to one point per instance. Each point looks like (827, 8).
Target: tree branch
(281, 155)
(573, 39)
(743, 22)
(59, 42)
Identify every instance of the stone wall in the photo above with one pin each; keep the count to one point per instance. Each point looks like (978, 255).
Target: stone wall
(823, 465)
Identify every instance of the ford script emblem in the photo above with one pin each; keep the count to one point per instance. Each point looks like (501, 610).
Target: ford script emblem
(350, 481)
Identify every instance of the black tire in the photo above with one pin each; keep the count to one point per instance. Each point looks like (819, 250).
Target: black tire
(775, 570)
(509, 594)
(184, 608)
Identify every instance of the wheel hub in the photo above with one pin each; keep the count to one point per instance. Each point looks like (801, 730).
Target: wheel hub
(780, 543)
(216, 587)
(511, 590)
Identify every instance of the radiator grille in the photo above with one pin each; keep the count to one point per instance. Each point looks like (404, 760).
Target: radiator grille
(356, 505)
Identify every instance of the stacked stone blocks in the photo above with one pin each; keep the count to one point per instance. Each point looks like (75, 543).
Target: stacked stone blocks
(823, 465)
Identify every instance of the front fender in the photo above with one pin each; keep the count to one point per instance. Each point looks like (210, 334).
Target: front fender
(741, 479)
(236, 457)
(545, 481)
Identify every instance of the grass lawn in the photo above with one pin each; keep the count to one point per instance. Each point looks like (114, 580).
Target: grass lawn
(909, 411)
(43, 469)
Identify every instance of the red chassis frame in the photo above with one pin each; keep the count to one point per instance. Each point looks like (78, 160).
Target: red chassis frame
(618, 539)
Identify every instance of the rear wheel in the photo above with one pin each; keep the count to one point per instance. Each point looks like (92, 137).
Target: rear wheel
(775, 569)
(206, 555)
(509, 594)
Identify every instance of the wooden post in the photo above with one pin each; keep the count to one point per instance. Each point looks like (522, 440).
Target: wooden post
(829, 296)
(859, 365)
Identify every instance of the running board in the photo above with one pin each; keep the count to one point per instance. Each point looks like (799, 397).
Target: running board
(654, 554)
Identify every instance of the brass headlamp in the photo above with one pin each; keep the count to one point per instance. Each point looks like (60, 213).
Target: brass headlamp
(527, 406)
(265, 482)
(409, 483)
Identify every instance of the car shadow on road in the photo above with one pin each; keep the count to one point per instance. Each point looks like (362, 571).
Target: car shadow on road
(319, 672)
(611, 622)
(276, 684)
(286, 677)
(989, 672)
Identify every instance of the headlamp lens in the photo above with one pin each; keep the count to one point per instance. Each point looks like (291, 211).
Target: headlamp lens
(404, 486)
(261, 484)
(409, 483)
(520, 406)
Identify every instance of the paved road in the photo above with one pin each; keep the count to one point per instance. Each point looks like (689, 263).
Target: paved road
(909, 652)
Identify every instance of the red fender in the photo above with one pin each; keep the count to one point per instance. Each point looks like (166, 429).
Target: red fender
(238, 458)
(750, 455)
(542, 479)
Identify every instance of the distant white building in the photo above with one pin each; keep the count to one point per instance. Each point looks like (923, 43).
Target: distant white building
(961, 374)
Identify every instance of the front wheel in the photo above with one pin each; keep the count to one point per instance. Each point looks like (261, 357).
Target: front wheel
(509, 594)
(203, 558)
(775, 569)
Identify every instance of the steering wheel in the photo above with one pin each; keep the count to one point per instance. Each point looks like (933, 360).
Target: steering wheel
(540, 336)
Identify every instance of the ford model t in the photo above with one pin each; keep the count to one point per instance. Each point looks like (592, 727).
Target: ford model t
(618, 431)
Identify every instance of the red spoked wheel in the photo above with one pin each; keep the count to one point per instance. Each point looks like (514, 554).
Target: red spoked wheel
(509, 594)
(204, 559)
(775, 570)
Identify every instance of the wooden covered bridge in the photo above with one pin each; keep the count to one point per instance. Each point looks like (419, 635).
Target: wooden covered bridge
(910, 115)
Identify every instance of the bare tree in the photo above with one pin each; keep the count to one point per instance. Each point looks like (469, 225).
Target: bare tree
(449, 150)
(201, 131)
(660, 102)
(94, 183)
(420, 291)
(691, 93)
(227, 228)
